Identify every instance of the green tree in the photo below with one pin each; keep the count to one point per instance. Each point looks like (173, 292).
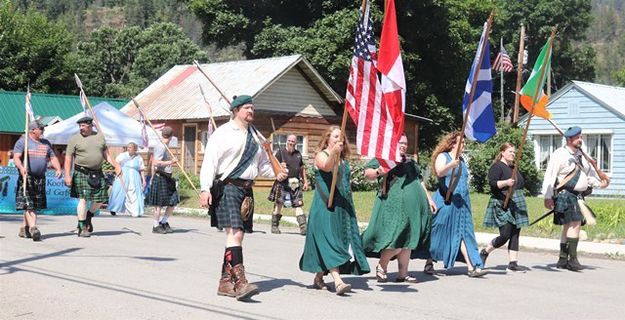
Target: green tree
(32, 49)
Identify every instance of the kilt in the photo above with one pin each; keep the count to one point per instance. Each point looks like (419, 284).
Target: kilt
(566, 208)
(163, 191)
(516, 214)
(35, 194)
(277, 194)
(82, 190)
(227, 211)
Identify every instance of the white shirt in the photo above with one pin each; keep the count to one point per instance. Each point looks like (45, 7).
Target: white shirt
(561, 163)
(223, 152)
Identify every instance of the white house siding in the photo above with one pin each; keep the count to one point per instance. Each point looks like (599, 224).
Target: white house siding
(292, 93)
(575, 108)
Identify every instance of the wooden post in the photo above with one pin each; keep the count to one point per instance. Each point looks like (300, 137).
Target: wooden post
(469, 103)
(501, 82)
(519, 72)
(529, 118)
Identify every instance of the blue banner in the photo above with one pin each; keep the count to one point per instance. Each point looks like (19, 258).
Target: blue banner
(57, 194)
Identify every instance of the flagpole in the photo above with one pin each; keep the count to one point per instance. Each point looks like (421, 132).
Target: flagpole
(166, 147)
(97, 124)
(210, 109)
(501, 78)
(469, 103)
(519, 71)
(529, 118)
(26, 138)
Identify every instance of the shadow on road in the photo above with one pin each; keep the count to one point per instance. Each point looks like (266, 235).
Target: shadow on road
(38, 257)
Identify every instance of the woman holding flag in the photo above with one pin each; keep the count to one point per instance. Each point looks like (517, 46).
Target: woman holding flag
(452, 225)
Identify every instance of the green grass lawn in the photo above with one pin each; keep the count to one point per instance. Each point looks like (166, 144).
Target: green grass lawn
(609, 225)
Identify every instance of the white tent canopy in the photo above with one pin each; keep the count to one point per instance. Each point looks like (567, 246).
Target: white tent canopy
(119, 129)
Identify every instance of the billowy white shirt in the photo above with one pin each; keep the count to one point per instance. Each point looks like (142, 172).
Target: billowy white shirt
(561, 163)
(224, 147)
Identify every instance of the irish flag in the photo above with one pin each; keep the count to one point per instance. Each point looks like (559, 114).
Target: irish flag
(536, 83)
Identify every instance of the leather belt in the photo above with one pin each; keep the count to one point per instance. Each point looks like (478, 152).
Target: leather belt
(241, 183)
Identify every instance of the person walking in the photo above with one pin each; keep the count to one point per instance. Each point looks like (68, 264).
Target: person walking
(129, 198)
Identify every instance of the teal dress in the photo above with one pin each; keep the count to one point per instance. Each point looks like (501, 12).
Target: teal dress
(453, 222)
(333, 239)
(402, 218)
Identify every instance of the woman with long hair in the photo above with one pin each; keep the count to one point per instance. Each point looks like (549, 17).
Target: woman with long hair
(511, 219)
(130, 198)
(333, 243)
(452, 225)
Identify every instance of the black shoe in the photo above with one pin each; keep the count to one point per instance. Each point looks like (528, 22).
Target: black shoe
(88, 221)
(562, 263)
(476, 274)
(167, 228)
(573, 264)
(160, 229)
(513, 266)
(113, 213)
(483, 256)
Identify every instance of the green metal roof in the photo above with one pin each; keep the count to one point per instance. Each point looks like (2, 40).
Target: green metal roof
(63, 106)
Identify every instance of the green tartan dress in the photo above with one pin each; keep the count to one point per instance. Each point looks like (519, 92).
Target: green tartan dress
(516, 214)
(402, 218)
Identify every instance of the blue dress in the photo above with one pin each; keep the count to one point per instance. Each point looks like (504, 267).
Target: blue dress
(131, 170)
(453, 223)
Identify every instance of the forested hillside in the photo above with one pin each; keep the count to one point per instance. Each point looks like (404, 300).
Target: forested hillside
(607, 36)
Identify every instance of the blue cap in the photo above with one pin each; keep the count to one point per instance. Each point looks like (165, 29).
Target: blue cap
(572, 131)
(238, 101)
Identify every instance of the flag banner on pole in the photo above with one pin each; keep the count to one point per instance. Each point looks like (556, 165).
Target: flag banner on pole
(503, 62)
(144, 131)
(377, 108)
(533, 85)
(209, 129)
(28, 106)
(480, 124)
(83, 102)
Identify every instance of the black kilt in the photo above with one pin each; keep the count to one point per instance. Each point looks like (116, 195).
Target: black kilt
(566, 208)
(277, 194)
(35, 194)
(226, 211)
(82, 190)
(163, 191)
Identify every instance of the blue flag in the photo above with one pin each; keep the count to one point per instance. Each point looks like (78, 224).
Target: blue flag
(481, 120)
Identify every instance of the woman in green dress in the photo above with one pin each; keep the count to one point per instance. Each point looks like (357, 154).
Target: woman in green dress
(333, 243)
(401, 220)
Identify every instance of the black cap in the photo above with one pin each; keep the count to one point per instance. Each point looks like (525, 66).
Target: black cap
(85, 119)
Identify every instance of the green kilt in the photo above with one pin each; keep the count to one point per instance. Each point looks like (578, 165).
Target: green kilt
(566, 208)
(516, 214)
(35, 198)
(81, 188)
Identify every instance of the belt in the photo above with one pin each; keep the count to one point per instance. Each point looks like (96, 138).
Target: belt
(162, 173)
(86, 170)
(242, 183)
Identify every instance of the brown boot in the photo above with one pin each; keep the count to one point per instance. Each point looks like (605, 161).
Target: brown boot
(301, 221)
(275, 223)
(226, 283)
(243, 288)
(24, 232)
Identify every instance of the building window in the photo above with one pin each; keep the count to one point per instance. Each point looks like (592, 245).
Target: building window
(547, 144)
(599, 147)
(279, 141)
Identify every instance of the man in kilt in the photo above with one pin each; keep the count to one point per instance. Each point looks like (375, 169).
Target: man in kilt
(511, 219)
(569, 177)
(233, 158)
(87, 151)
(39, 153)
(163, 192)
(290, 192)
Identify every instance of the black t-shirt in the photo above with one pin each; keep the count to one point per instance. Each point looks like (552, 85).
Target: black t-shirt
(294, 161)
(501, 171)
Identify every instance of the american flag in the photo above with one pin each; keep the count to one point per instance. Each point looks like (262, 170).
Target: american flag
(28, 106)
(374, 116)
(503, 62)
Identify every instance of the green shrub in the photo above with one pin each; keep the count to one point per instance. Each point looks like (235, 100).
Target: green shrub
(183, 183)
(481, 157)
(358, 181)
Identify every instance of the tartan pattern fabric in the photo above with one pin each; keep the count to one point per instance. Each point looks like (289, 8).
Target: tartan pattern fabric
(163, 191)
(35, 194)
(516, 214)
(227, 213)
(277, 191)
(82, 190)
(251, 148)
(566, 208)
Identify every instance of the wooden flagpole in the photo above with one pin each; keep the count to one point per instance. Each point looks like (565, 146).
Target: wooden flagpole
(469, 104)
(501, 81)
(519, 72)
(26, 138)
(166, 146)
(529, 118)
(97, 124)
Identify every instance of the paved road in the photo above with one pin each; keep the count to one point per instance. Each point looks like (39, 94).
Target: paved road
(125, 272)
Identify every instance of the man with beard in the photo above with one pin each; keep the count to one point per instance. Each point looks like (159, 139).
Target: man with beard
(233, 158)
(39, 153)
(569, 177)
(87, 151)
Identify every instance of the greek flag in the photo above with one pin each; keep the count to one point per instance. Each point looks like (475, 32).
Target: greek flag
(481, 120)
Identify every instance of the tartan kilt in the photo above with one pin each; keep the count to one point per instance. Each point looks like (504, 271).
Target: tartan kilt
(35, 194)
(82, 190)
(277, 191)
(227, 210)
(516, 214)
(566, 209)
(163, 191)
